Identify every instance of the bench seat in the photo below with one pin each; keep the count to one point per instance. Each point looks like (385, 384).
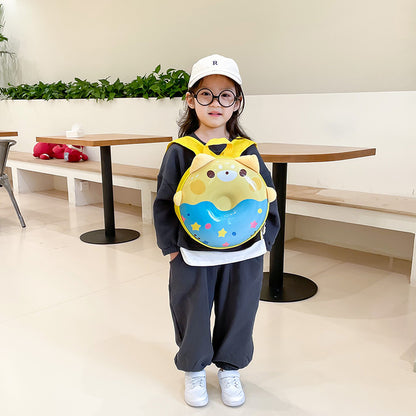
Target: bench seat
(23, 165)
(390, 212)
(374, 202)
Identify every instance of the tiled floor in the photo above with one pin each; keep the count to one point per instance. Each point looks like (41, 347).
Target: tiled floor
(86, 329)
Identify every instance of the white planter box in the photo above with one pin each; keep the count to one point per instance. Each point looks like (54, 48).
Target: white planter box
(125, 115)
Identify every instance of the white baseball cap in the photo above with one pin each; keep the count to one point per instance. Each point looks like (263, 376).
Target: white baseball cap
(214, 65)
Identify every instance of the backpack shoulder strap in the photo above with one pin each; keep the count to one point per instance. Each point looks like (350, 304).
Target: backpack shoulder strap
(190, 143)
(238, 146)
(233, 149)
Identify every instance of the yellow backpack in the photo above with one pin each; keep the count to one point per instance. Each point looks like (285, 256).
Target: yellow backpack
(222, 200)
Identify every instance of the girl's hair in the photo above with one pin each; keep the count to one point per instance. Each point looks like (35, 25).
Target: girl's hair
(189, 123)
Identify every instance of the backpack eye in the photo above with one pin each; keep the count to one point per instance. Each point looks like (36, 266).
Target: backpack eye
(210, 174)
(243, 172)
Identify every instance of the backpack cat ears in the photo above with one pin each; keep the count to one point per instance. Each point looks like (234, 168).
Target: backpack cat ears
(202, 159)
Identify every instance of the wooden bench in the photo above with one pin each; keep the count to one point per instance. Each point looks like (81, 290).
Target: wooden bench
(30, 174)
(375, 210)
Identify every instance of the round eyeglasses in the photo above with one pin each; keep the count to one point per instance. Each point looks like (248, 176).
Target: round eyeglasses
(205, 96)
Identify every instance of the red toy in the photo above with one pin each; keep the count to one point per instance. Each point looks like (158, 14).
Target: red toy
(74, 154)
(43, 150)
(70, 153)
(58, 151)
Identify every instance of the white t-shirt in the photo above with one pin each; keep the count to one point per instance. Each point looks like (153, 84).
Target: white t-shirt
(215, 258)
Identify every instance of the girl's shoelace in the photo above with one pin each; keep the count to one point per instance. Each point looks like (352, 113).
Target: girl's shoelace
(232, 381)
(197, 382)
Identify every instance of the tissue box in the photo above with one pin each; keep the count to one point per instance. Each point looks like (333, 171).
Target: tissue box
(74, 133)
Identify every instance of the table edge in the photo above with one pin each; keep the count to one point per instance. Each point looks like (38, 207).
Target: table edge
(319, 156)
(88, 141)
(8, 133)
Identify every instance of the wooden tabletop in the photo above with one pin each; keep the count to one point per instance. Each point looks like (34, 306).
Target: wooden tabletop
(300, 153)
(108, 139)
(7, 133)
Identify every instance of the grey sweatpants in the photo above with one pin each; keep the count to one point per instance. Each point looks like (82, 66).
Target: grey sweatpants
(234, 289)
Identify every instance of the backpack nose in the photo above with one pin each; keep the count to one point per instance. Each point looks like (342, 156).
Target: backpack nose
(227, 175)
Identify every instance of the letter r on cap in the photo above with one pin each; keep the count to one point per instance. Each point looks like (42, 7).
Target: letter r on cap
(214, 62)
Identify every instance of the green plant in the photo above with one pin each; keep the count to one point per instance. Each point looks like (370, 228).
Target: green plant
(3, 39)
(8, 61)
(173, 83)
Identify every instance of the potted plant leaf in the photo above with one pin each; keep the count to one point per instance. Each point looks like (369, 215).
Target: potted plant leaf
(3, 39)
(8, 62)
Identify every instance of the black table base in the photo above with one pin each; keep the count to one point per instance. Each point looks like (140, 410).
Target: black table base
(121, 235)
(277, 285)
(110, 235)
(294, 288)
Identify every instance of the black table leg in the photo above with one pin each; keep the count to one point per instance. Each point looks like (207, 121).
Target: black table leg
(277, 285)
(110, 235)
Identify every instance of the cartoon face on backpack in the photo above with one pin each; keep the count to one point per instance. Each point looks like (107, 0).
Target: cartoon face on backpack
(223, 202)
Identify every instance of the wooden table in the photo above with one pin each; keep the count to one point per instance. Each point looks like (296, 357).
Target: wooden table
(277, 285)
(108, 235)
(7, 133)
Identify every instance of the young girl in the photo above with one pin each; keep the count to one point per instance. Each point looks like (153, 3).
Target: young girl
(200, 277)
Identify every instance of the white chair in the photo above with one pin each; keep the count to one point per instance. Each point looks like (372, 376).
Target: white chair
(5, 145)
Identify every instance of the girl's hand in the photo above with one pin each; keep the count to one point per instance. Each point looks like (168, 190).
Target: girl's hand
(173, 255)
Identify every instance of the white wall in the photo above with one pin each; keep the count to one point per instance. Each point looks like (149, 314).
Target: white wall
(382, 120)
(296, 46)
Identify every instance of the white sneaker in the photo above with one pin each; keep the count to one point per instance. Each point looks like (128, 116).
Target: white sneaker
(196, 388)
(232, 393)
